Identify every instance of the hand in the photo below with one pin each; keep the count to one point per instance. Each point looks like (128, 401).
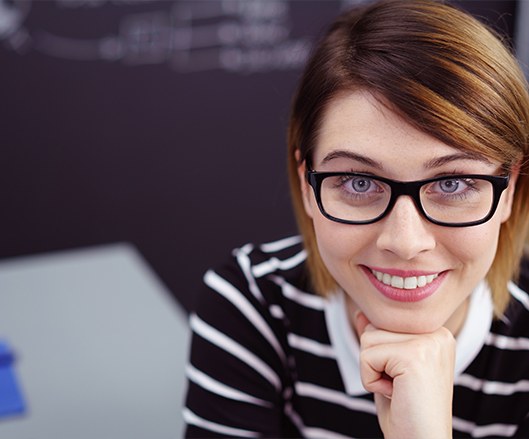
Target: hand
(412, 377)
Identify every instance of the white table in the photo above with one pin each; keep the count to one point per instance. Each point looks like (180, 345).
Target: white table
(100, 346)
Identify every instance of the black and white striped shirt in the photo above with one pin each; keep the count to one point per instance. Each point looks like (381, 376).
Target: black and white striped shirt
(270, 358)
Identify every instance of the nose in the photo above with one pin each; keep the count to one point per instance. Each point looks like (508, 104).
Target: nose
(405, 233)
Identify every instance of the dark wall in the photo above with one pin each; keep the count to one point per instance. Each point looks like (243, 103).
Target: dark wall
(160, 123)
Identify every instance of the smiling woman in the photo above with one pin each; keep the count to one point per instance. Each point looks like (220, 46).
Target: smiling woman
(395, 313)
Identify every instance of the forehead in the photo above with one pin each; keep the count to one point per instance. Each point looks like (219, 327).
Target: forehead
(356, 124)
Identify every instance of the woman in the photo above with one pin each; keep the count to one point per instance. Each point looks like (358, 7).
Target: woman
(395, 315)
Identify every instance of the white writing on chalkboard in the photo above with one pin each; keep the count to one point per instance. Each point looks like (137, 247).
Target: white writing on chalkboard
(240, 36)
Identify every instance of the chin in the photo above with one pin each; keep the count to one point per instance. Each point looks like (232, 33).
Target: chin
(409, 325)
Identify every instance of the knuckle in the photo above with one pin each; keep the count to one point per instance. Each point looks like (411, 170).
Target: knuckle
(364, 357)
(369, 386)
(422, 349)
(366, 340)
(445, 338)
(435, 345)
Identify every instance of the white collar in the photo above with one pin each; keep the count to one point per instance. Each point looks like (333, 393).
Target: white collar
(470, 339)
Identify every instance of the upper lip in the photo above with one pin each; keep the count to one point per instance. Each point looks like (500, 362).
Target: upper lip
(404, 273)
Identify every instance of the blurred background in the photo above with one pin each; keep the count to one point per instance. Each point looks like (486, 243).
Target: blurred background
(142, 140)
(157, 123)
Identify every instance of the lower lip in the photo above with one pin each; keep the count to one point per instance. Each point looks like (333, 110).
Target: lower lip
(403, 295)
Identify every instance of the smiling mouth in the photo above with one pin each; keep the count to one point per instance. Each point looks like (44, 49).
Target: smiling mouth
(405, 283)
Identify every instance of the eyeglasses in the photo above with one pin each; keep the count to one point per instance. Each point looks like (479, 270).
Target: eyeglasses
(452, 200)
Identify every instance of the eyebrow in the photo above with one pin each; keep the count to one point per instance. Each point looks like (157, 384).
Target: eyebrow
(440, 161)
(340, 154)
(431, 164)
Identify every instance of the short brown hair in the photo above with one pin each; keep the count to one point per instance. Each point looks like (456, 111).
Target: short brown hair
(448, 75)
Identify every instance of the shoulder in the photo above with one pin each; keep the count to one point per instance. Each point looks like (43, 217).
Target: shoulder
(259, 270)
(492, 393)
(260, 286)
(240, 302)
(515, 322)
(284, 256)
(256, 282)
(240, 357)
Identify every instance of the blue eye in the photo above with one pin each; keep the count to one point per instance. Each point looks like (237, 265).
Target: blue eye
(360, 184)
(449, 186)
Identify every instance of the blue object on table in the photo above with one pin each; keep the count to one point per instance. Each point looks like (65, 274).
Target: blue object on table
(11, 399)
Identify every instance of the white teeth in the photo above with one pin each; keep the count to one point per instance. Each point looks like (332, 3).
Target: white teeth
(397, 281)
(411, 283)
(408, 283)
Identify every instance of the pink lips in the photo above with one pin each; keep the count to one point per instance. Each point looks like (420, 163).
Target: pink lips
(403, 295)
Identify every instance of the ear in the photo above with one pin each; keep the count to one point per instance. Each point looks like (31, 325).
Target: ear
(509, 193)
(306, 193)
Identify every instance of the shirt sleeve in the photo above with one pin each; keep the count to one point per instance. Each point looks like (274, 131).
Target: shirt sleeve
(236, 371)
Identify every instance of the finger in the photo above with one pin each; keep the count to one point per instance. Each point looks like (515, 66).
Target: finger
(360, 322)
(374, 378)
(373, 336)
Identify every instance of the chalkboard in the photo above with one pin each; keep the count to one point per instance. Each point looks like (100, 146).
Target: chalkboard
(160, 123)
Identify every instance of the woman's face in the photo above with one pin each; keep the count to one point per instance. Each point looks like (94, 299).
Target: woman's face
(359, 134)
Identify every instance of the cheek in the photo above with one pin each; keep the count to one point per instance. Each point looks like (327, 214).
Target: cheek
(474, 246)
(340, 243)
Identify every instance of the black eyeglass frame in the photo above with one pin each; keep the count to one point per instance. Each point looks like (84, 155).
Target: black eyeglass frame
(411, 189)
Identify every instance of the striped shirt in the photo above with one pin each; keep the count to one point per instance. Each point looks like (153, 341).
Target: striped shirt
(270, 358)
